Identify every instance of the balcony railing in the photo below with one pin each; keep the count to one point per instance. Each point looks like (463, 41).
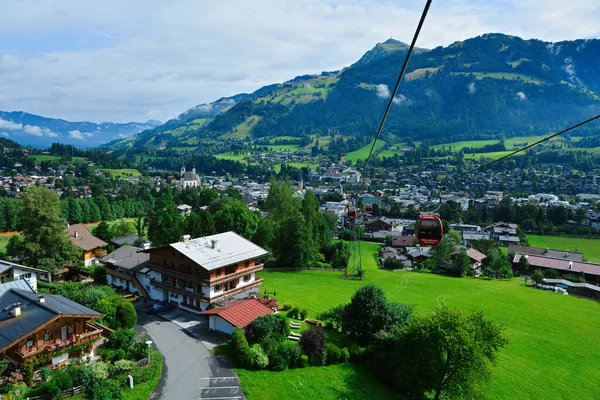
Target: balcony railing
(236, 274)
(238, 289)
(203, 281)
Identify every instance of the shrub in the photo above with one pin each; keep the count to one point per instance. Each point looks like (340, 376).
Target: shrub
(277, 362)
(303, 361)
(318, 359)
(333, 317)
(45, 373)
(551, 273)
(125, 316)
(99, 274)
(258, 358)
(153, 370)
(241, 347)
(268, 325)
(313, 341)
(106, 354)
(99, 371)
(124, 365)
(537, 276)
(345, 355)
(334, 353)
(286, 307)
(120, 355)
(356, 352)
(81, 376)
(293, 354)
(28, 370)
(303, 314)
(62, 379)
(138, 350)
(121, 339)
(293, 313)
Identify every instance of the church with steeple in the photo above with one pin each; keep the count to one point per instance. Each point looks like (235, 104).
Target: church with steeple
(188, 179)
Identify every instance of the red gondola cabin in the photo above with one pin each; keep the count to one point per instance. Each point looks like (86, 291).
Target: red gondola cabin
(430, 230)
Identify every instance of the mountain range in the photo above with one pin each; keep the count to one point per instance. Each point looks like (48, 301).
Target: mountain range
(38, 131)
(485, 87)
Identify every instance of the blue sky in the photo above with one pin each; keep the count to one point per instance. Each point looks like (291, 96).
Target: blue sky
(133, 60)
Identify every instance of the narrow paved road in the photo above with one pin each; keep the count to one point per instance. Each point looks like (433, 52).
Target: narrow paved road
(190, 371)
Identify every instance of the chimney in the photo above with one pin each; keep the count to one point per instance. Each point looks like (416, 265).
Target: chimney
(15, 309)
(186, 238)
(42, 299)
(570, 264)
(76, 234)
(213, 244)
(146, 246)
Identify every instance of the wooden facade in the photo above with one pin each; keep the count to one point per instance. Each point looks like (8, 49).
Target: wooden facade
(196, 284)
(57, 334)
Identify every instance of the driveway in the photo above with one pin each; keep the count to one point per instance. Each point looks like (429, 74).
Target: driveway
(190, 370)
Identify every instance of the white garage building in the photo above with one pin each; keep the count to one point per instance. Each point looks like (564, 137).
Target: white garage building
(237, 314)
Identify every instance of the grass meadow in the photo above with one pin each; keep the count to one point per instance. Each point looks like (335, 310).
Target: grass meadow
(363, 152)
(553, 351)
(589, 247)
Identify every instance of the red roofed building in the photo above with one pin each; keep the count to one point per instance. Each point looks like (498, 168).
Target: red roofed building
(237, 314)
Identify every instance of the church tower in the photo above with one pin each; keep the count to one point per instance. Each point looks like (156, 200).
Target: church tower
(182, 170)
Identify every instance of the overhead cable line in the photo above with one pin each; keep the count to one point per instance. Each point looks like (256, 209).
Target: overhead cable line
(531, 145)
(393, 94)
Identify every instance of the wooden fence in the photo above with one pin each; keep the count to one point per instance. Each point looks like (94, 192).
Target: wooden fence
(65, 394)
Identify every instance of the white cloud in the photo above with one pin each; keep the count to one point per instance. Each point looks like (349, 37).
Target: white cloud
(383, 91)
(76, 134)
(10, 125)
(521, 96)
(107, 63)
(122, 136)
(39, 131)
(401, 99)
(471, 88)
(569, 68)
(5, 134)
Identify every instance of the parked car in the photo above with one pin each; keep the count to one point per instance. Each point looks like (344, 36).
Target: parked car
(160, 307)
(131, 297)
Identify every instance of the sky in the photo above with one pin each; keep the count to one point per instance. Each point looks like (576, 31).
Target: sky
(135, 60)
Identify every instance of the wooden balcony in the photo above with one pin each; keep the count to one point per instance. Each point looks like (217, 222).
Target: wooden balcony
(204, 281)
(183, 291)
(94, 332)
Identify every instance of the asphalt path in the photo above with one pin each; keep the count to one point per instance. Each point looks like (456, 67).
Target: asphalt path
(190, 370)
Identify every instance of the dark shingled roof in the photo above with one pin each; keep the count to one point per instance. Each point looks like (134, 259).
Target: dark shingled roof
(33, 313)
(127, 257)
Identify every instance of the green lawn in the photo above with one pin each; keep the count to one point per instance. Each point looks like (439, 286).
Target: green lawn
(232, 157)
(122, 172)
(308, 165)
(589, 247)
(494, 155)
(363, 152)
(541, 361)
(457, 146)
(4, 241)
(38, 158)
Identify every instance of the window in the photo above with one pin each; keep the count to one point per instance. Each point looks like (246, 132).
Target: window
(247, 278)
(70, 329)
(30, 342)
(47, 336)
(164, 277)
(218, 288)
(247, 263)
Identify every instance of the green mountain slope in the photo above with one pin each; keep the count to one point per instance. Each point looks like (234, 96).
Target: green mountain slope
(482, 87)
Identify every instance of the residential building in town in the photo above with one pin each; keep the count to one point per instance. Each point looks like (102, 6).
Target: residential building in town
(536, 251)
(33, 325)
(127, 268)
(476, 258)
(589, 271)
(91, 247)
(208, 270)
(12, 272)
(236, 314)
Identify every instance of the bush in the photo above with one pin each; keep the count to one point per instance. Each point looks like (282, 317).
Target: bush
(138, 350)
(121, 339)
(333, 317)
(144, 374)
(124, 365)
(551, 273)
(344, 355)
(106, 354)
(268, 325)
(241, 347)
(45, 373)
(356, 352)
(277, 362)
(294, 313)
(313, 341)
(318, 360)
(99, 274)
(292, 353)
(62, 379)
(334, 353)
(273, 304)
(286, 307)
(81, 376)
(99, 371)
(537, 276)
(258, 358)
(303, 314)
(120, 355)
(125, 316)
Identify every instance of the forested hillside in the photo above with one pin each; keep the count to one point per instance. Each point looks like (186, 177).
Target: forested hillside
(480, 88)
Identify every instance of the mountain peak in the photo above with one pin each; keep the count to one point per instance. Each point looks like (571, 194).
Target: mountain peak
(385, 49)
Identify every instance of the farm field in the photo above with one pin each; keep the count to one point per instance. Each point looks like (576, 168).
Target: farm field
(122, 172)
(232, 157)
(494, 155)
(457, 146)
(38, 158)
(363, 152)
(589, 247)
(538, 362)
